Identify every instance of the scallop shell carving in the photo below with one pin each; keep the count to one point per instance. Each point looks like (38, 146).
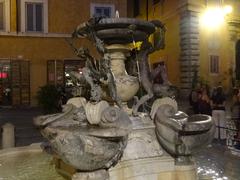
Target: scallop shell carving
(94, 111)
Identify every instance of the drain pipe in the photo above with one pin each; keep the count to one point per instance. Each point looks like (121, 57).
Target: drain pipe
(8, 136)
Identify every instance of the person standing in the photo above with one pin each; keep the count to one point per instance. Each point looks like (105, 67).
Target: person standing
(218, 100)
(204, 105)
(194, 98)
(235, 111)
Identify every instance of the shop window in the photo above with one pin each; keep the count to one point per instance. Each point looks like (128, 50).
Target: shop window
(62, 73)
(102, 10)
(4, 15)
(14, 82)
(55, 72)
(34, 16)
(214, 64)
(72, 66)
(59, 71)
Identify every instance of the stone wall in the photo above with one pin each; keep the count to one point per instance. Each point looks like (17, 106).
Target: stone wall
(189, 45)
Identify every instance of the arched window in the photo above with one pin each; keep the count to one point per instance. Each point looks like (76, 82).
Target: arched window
(237, 70)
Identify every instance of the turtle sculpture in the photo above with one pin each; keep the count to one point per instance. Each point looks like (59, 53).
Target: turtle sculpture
(87, 136)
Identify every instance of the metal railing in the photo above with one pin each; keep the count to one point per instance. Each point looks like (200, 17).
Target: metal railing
(232, 129)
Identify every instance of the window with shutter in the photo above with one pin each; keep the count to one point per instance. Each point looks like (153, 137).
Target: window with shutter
(214, 64)
(4, 15)
(1, 16)
(34, 17)
(102, 10)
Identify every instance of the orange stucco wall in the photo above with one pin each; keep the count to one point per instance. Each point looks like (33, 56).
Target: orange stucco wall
(63, 17)
(169, 15)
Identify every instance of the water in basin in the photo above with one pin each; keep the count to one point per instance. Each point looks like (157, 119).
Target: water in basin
(28, 166)
(213, 163)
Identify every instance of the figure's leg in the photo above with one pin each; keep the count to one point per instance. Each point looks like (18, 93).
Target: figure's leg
(113, 90)
(142, 100)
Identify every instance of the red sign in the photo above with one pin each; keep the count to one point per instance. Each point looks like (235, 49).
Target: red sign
(3, 75)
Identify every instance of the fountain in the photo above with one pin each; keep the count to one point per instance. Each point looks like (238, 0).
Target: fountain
(101, 138)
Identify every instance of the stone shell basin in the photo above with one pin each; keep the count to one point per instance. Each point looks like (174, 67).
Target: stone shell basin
(182, 135)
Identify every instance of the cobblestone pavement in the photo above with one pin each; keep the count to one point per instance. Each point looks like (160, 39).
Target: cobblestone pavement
(218, 162)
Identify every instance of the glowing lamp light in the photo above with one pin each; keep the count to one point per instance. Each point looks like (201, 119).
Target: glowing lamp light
(214, 16)
(227, 9)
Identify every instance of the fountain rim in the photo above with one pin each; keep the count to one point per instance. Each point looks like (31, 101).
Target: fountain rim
(112, 23)
(32, 148)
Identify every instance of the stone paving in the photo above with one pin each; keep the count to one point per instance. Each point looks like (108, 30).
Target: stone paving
(25, 132)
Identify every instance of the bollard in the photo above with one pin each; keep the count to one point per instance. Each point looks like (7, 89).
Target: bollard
(8, 137)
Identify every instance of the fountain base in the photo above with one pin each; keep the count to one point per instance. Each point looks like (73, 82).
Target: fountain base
(143, 158)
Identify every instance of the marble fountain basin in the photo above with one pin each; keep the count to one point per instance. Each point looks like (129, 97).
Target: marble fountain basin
(120, 30)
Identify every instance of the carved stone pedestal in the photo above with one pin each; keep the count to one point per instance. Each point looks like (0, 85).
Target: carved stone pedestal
(144, 158)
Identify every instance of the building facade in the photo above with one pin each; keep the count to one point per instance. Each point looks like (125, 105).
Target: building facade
(202, 38)
(33, 47)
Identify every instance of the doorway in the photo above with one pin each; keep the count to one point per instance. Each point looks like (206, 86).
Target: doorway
(237, 70)
(14, 82)
(5, 83)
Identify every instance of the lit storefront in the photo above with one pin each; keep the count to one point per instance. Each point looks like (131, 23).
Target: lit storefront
(14, 82)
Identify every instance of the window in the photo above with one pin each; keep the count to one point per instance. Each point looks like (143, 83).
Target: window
(34, 16)
(1, 15)
(4, 15)
(14, 82)
(55, 70)
(104, 10)
(214, 64)
(59, 72)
